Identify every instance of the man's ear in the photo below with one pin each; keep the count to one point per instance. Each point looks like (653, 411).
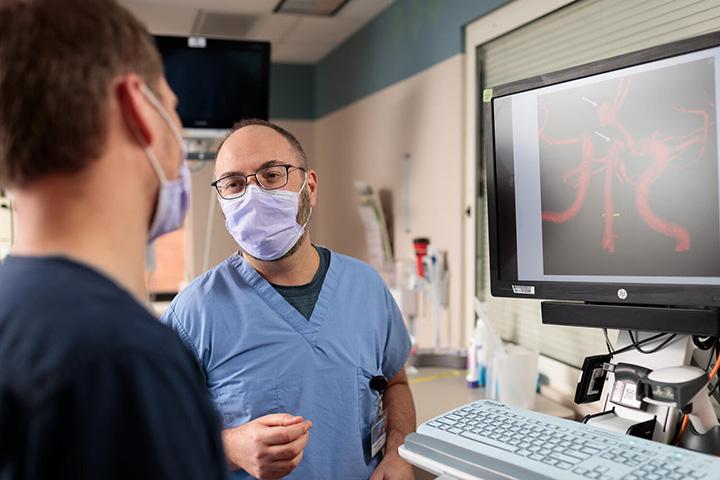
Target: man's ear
(133, 108)
(312, 186)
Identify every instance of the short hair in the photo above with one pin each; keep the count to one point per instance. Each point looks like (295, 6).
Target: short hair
(291, 139)
(58, 59)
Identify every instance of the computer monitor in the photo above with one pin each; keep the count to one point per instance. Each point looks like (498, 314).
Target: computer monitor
(217, 82)
(603, 186)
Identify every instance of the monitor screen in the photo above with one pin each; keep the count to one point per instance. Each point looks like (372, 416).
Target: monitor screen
(217, 82)
(603, 180)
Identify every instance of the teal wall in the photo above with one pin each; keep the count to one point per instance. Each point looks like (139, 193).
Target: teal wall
(292, 91)
(406, 38)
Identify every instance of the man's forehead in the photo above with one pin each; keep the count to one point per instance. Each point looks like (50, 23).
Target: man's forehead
(250, 147)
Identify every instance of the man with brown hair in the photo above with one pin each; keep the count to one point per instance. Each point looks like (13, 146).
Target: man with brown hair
(91, 384)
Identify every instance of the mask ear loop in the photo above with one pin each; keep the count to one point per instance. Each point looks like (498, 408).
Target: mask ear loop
(311, 208)
(154, 162)
(150, 96)
(304, 183)
(308, 220)
(161, 110)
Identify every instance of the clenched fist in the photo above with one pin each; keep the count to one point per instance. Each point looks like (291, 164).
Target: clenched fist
(268, 447)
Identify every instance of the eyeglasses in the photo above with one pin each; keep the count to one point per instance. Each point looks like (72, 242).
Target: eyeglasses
(268, 178)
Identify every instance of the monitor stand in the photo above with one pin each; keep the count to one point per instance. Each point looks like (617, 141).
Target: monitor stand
(677, 353)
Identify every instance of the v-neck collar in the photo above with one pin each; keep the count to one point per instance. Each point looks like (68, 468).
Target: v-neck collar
(272, 298)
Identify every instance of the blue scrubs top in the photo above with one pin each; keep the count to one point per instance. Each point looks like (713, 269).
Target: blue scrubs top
(261, 356)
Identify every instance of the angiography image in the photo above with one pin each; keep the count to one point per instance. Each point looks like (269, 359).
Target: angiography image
(629, 175)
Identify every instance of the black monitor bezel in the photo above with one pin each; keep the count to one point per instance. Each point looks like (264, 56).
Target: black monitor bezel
(637, 294)
(262, 47)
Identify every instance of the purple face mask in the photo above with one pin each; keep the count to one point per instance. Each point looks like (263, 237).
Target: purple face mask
(264, 222)
(172, 205)
(174, 195)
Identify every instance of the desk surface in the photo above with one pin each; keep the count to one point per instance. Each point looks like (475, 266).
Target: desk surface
(437, 390)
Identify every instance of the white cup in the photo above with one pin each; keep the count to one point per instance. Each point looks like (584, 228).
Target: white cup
(515, 373)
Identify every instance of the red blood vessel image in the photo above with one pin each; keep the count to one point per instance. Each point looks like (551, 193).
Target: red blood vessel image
(633, 161)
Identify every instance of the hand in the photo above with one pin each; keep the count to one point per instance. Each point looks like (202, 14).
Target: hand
(268, 447)
(393, 467)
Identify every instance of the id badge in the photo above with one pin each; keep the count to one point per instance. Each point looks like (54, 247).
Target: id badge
(378, 434)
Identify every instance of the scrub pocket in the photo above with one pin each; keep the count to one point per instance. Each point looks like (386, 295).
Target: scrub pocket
(242, 400)
(322, 395)
(328, 395)
(368, 401)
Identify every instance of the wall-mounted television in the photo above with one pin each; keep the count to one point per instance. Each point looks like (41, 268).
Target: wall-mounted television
(217, 82)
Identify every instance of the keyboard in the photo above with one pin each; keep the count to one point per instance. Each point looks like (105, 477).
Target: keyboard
(489, 440)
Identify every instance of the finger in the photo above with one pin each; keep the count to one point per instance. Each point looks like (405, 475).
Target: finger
(279, 420)
(283, 435)
(278, 453)
(286, 466)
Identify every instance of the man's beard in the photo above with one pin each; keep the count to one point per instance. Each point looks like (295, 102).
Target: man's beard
(303, 216)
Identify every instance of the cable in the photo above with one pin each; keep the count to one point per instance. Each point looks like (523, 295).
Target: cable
(712, 391)
(715, 368)
(710, 357)
(209, 225)
(654, 350)
(608, 344)
(612, 351)
(683, 427)
(641, 342)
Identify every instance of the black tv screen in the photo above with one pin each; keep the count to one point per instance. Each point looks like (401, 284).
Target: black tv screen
(217, 82)
(604, 180)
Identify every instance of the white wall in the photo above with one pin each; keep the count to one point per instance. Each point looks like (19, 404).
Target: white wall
(367, 141)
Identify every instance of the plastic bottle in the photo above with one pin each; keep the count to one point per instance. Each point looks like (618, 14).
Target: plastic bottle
(472, 365)
(481, 352)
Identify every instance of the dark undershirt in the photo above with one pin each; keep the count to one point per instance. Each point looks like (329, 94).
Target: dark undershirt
(304, 297)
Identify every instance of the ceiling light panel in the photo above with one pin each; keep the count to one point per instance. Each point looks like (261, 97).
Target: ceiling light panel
(326, 8)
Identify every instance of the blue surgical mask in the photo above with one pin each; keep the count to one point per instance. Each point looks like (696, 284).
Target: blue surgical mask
(264, 222)
(174, 195)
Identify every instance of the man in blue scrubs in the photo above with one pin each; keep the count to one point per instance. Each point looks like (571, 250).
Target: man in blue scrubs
(292, 336)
